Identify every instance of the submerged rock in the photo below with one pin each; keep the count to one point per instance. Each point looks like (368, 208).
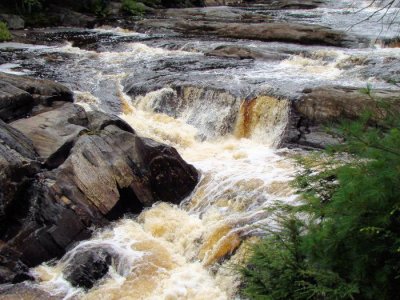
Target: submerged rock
(84, 269)
(65, 170)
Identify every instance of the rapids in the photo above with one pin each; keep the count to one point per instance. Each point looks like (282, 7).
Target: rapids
(226, 117)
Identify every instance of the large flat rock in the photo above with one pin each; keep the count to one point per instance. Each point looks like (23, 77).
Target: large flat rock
(262, 31)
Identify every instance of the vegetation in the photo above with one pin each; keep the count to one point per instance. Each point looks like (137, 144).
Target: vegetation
(5, 35)
(343, 240)
(133, 7)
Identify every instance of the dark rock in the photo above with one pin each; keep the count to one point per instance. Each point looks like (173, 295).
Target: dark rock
(11, 268)
(99, 120)
(14, 102)
(19, 95)
(244, 53)
(85, 268)
(49, 90)
(171, 179)
(17, 166)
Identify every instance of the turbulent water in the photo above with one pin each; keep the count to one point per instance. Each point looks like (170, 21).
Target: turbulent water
(225, 116)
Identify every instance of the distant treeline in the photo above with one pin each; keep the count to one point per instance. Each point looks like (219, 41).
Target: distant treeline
(24, 7)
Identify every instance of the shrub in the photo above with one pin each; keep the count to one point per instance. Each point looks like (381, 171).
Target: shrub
(278, 269)
(5, 35)
(133, 7)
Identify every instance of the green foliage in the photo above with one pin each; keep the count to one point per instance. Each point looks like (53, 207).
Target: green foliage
(5, 35)
(279, 270)
(349, 243)
(133, 7)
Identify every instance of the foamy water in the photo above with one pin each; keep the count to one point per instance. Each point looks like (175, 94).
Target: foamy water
(225, 117)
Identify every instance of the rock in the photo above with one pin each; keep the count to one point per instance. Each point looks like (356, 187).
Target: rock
(222, 2)
(12, 21)
(11, 268)
(14, 102)
(96, 169)
(85, 268)
(21, 95)
(330, 103)
(278, 32)
(24, 291)
(239, 52)
(223, 14)
(54, 132)
(290, 4)
(269, 4)
(323, 105)
(17, 165)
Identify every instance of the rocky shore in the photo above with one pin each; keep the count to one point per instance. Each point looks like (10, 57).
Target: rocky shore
(65, 171)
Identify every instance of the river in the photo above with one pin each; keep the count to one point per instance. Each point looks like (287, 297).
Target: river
(227, 117)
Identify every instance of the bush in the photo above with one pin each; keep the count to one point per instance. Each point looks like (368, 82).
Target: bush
(5, 35)
(349, 244)
(133, 8)
(278, 269)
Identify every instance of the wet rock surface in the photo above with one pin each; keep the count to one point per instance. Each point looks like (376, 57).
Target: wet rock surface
(321, 106)
(278, 32)
(20, 96)
(85, 269)
(244, 53)
(64, 170)
(24, 291)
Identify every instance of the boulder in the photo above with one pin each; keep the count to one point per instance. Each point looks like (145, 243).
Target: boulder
(12, 21)
(85, 268)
